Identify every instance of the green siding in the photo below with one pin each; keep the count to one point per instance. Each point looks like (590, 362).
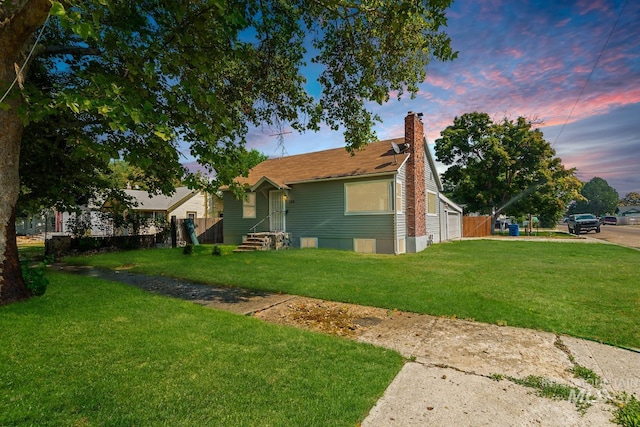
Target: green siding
(314, 210)
(433, 221)
(234, 225)
(317, 210)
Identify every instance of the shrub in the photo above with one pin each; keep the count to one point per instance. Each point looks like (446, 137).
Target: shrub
(87, 243)
(34, 277)
(216, 251)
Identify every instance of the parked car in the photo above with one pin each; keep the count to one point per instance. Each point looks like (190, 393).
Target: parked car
(583, 222)
(609, 220)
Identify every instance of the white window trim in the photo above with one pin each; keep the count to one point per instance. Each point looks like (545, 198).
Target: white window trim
(399, 196)
(246, 203)
(390, 209)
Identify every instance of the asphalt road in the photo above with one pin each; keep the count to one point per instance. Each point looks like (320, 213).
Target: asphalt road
(627, 235)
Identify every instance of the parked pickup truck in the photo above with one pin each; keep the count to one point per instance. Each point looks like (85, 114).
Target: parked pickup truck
(583, 223)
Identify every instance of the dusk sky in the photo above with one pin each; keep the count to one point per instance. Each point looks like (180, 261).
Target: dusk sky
(534, 59)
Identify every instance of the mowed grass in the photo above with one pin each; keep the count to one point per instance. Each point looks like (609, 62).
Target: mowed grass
(91, 352)
(585, 290)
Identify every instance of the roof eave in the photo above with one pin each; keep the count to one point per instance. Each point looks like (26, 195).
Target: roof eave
(343, 177)
(181, 201)
(268, 180)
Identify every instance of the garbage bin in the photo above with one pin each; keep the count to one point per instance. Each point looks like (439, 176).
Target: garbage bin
(191, 230)
(514, 230)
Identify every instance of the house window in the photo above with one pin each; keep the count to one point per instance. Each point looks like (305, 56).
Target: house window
(432, 203)
(249, 205)
(191, 215)
(370, 197)
(398, 197)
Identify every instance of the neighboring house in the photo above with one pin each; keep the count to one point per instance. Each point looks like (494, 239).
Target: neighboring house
(628, 211)
(34, 224)
(628, 215)
(184, 203)
(384, 199)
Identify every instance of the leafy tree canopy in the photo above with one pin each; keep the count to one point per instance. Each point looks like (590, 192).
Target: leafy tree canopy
(505, 167)
(631, 199)
(138, 80)
(599, 198)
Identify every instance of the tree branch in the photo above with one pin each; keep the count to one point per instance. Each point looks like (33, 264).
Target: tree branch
(19, 22)
(71, 50)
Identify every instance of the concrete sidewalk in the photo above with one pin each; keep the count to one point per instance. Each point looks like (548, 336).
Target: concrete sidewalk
(457, 374)
(458, 371)
(453, 378)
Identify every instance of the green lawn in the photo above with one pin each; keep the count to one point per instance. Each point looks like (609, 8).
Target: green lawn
(584, 290)
(91, 352)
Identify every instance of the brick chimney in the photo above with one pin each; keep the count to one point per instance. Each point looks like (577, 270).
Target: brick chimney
(416, 212)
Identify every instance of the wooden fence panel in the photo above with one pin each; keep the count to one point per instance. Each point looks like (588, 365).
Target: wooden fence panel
(476, 226)
(208, 230)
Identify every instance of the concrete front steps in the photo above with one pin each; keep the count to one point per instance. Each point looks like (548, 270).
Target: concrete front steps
(265, 241)
(255, 242)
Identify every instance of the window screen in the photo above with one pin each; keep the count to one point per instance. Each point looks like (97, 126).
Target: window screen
(249, 205)
(368, 197)
(432, 206)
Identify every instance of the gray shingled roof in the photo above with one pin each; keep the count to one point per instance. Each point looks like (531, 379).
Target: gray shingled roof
(148, 202)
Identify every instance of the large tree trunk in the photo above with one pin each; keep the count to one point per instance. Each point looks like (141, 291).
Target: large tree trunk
(18, 20)
(12, 287)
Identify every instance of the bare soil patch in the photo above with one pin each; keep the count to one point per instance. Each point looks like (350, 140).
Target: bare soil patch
(341, 319)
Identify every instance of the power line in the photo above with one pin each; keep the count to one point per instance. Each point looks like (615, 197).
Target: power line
(591, 73)
(19, 73)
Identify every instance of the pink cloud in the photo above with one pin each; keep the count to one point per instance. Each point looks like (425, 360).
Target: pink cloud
(581, 69)
(488, 10)
(586, 6)
(496, 78)
(534, 72)
(440, 81)
(516, 53)
(589, 105)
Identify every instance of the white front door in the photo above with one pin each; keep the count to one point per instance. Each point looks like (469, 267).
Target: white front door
(277, 211)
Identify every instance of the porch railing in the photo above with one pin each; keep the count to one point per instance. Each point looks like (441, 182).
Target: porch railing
(253, 229)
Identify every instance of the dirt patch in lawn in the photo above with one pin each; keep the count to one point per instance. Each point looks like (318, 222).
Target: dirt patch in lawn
(346, 320)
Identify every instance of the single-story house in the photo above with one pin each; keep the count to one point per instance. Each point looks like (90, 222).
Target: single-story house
(184, 203)
(384, 199)
(623, 211)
